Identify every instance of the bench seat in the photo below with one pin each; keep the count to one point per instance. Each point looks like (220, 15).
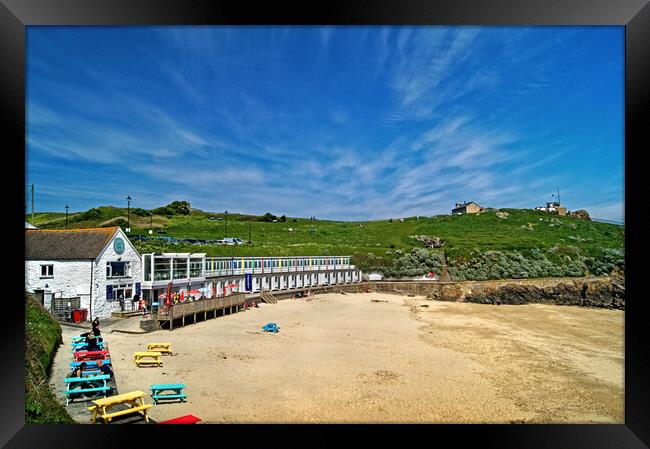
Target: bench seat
(187, 419)
(167, 386)
(148, 362)
(156, 397)
(71, 392)
(87, 390)
(90, 363)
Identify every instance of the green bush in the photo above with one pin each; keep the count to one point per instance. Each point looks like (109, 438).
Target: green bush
(418, 262)
(90, 214)
(42, 338)
(140, 212)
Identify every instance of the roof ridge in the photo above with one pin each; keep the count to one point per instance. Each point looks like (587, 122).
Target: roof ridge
(74, 230)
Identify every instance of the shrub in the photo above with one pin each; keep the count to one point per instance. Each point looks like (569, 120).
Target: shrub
(140, 212)
(90, 214)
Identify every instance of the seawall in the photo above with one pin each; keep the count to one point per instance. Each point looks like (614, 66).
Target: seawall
(603, 291)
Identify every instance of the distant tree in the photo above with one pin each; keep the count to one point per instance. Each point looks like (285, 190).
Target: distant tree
(269, 217)
(180, 207)
(140, 212)
(89, 215)
(283, 218)
(174, 208)
(295, 220)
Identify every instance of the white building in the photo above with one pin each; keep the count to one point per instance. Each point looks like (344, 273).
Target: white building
(221, 276)
(97, 265)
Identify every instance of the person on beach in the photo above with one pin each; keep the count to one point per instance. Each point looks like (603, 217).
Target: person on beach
(105, 369)
(96, 332)
(91, 343)
(142, 306)
(78, 370)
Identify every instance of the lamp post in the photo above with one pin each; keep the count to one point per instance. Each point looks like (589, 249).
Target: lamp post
(66, 215)
(249, 231)
(225, 225)
(128, 214)
(150, 222)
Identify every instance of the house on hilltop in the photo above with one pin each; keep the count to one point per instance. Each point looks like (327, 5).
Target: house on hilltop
(466, 208)
(553, 207)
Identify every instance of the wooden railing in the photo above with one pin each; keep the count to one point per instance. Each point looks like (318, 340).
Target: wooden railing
(201, 305)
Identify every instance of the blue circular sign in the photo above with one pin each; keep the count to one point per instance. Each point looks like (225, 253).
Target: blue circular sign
(118, 245)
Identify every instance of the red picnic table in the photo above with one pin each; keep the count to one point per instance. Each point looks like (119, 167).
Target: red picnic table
(187, 419)
(84, 356)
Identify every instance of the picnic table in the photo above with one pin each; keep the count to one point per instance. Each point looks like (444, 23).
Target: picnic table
(187, 419)
(134, 400)
(76, 347)
(171, 391)
(85, 356)
(90, 363)
(147, 358)
(163, 348)
(81, 385)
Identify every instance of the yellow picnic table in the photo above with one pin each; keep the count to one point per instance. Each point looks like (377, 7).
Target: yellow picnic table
(147, 358)
(134, 399)
(164, 348)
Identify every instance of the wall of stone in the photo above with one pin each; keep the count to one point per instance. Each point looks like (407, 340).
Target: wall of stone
(591, 292)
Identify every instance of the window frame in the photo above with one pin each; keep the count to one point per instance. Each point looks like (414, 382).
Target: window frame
(51, 271)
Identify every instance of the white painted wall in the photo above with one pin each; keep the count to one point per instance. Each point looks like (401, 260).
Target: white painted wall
(70, 278)
(101, 306)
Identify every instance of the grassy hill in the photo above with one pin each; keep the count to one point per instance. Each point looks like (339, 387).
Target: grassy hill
(42, 337)
(473, 244)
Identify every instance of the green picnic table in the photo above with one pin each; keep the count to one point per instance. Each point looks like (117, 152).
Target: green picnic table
(168, 391)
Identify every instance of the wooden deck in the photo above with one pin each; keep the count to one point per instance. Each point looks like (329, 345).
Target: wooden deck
(203, 309)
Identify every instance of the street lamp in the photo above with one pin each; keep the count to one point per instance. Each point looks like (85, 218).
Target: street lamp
(249, 231)
(151, 223)
(66, 215)
(128, 214)
(225, 225)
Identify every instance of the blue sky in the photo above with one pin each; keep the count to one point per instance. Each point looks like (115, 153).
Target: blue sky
(343, 122)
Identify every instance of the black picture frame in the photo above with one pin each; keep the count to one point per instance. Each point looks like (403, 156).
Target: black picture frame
(634, 15)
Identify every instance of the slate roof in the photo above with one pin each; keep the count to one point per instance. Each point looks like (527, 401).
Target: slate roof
(465, 205)
(67, 244)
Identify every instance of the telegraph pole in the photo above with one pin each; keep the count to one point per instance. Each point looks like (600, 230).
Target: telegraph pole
(66, 215)
(33, 205)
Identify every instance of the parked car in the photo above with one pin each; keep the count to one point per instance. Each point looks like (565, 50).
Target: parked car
(233, 241)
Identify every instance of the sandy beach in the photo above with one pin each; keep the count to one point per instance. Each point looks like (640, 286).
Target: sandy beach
(379, 358)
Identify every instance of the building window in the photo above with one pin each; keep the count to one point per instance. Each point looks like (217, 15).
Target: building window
(47, 271)
(118, 269)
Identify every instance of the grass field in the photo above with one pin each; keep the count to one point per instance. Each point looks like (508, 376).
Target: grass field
(372, 244)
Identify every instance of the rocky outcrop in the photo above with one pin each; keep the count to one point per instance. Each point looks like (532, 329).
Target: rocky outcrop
(596, 292)
(580, 214)
(429, 242)
(605, 291)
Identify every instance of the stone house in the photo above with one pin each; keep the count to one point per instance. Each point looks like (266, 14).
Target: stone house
(96, 265)
(553, 207)
(466, 208)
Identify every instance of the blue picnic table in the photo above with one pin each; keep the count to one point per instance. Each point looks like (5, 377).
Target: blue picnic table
(168, 391)
(80, 385)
